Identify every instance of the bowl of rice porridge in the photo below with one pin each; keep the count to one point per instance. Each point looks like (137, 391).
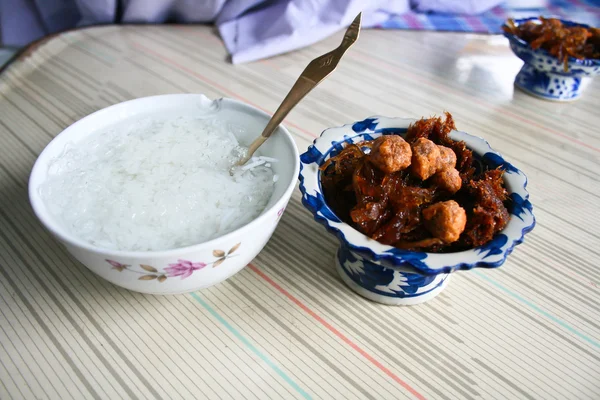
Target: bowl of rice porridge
(143, 192)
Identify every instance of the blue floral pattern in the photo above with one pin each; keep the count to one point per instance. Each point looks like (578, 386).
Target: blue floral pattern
(494, 246)
(386, 281)
(520, 207)
(367, 124)
(495, 160)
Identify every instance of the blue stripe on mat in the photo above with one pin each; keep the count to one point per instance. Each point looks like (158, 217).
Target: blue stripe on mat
(249, 345)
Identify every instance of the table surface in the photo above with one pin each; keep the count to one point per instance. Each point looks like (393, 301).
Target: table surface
(286, 326)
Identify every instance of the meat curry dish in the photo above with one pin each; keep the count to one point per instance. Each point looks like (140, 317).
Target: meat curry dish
(419, 193)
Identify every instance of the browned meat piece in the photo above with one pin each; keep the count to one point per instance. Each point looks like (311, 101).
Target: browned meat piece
(448, 179)
(426, 158)
(434, 129)
(390, 153)
(448, 157)
(489, 214)
(445, 220)
(389, 207)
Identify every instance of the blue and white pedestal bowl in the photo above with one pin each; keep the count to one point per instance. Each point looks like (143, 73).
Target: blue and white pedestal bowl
(544, 76)
(384, 273)
(386, 284)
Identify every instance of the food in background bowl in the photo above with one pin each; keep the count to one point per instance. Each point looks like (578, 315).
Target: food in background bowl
(560, 40)
(421, 192)
(205, 254)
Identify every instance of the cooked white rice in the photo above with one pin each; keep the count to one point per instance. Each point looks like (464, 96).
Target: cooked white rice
(156, 184)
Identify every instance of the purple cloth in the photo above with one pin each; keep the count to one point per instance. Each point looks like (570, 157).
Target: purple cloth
(291, 24)
(468, 7)
(251, 29)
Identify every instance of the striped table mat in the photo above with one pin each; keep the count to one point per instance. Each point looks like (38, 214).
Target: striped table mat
(286, 326)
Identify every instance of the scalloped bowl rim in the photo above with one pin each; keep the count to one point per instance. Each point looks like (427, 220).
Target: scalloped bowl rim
(594, 62)
(380, 252)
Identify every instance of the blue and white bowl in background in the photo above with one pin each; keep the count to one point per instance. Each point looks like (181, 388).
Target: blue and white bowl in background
(543, 75)
(384, 273)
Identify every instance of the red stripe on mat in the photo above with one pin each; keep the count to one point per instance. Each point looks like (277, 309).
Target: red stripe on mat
(337, 333)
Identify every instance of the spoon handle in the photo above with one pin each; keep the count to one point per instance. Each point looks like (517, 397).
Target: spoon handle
(317, 70)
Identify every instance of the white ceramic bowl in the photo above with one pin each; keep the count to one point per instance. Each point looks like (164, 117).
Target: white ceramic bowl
(189, 268)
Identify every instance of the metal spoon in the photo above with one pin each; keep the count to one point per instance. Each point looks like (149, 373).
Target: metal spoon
(317, 70)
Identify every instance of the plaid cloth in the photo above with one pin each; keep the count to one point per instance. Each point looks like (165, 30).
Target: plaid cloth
(582, 11)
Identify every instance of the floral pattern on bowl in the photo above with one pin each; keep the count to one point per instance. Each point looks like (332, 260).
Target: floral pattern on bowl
(393, 276)
(543, 75)
(182, 268)
(386, 285)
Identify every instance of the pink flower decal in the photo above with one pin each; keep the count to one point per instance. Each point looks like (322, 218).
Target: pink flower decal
(280, 212)
(184, 268)
(117, 265)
